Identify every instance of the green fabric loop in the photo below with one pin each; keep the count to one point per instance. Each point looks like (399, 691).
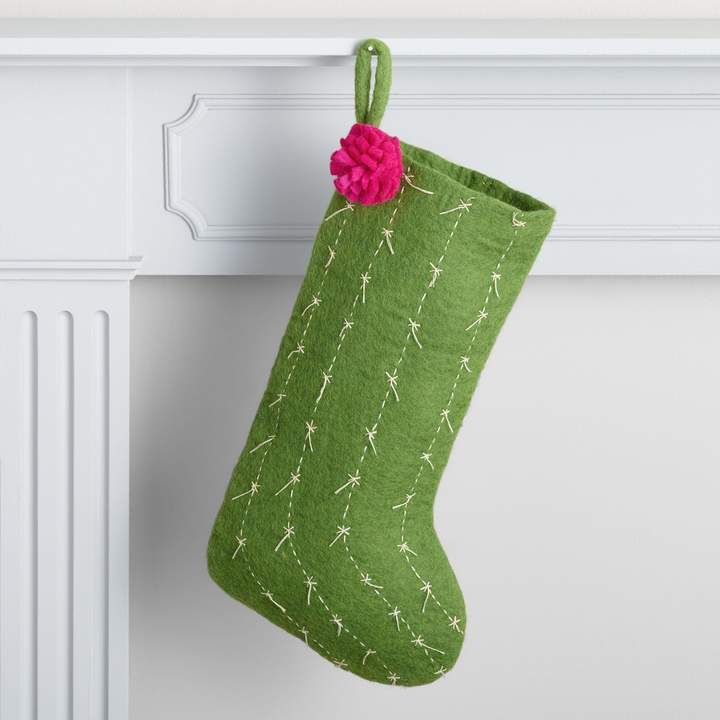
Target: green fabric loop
(371, 113)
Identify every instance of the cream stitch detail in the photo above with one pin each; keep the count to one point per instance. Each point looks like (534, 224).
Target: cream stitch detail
(289, 530)
(454, 621)
(313, 304)
(419, 641)
(341, 664)
(482, 315)
(495, 277)
(464, 207)
(516, 222)
(331, 256)
(445, 416)
(435, 275)
(387, 604)
(365, 279)
(280, 397)
(337, 621)
(393, 678)
(404, 504)
(270, 597)
(342, 532)
(409, 180)
(426, 457)
(254, 487)
(348, 206)
(241, 541)
(370, 434)
(301, 628)
(427, 589)
(294, 480)
(395, 613)
(326, 380)
(414, 327)
(270, 438)
(441, 671)
(311, 585)
(299, 350)
(367, 655)
(365, 579)
(354, 481)
(392, 380)
(347, 325)
(311, 428)
(387, 239)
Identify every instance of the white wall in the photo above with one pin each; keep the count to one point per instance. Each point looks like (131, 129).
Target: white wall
(368, 8)
(579, 510)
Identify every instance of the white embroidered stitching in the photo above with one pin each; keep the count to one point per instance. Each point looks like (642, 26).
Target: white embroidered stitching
(454, 621)
(409, 178)
(348, 206)
(347, 324)
(392, 383)
(343, 531)
(387, 236)
(255, 485)
(270, 438)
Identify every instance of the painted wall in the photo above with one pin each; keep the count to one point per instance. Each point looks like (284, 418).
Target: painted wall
(579, 510)
(369, 8)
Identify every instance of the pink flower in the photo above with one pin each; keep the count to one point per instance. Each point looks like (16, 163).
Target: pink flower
(368, 165)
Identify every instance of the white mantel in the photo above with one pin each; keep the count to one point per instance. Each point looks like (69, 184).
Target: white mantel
(201, 148)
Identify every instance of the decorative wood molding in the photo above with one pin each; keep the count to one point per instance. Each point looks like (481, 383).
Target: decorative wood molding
(202, 228)
(69, 270)
(64, 443)
(419, 43)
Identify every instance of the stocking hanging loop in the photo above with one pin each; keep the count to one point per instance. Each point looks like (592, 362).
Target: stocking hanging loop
(367, 111)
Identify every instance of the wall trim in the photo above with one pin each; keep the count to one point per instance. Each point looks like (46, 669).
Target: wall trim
(19, 270)
(421, 51)
(203, 103)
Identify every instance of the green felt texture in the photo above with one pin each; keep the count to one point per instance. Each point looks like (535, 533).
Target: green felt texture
(251, 555)
(371, 113)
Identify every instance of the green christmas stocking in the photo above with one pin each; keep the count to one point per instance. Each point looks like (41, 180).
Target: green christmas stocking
(327, 525)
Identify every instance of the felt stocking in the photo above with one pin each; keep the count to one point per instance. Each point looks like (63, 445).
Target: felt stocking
(327, 525)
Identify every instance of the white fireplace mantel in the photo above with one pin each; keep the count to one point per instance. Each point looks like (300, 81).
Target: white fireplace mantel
(175, 148)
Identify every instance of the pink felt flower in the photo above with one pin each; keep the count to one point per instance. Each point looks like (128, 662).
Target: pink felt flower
(368, 165)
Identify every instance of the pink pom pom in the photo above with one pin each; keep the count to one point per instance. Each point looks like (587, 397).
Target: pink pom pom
(368, 165)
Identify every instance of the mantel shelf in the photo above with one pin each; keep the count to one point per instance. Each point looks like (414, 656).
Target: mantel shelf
(324, 41)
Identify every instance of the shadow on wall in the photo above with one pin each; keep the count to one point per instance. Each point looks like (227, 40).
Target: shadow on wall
(205, 368)
(579, 510)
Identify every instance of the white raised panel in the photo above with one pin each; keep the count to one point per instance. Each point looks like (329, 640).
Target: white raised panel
(251, 168)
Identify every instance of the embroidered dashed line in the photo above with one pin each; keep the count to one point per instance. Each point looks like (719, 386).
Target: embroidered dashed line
(454, 622)
(301, 628)
(348, 206)
(299, 350)
(409, 180)
(394, 612)
(312, 427)
(255, 484)
(392, 378)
